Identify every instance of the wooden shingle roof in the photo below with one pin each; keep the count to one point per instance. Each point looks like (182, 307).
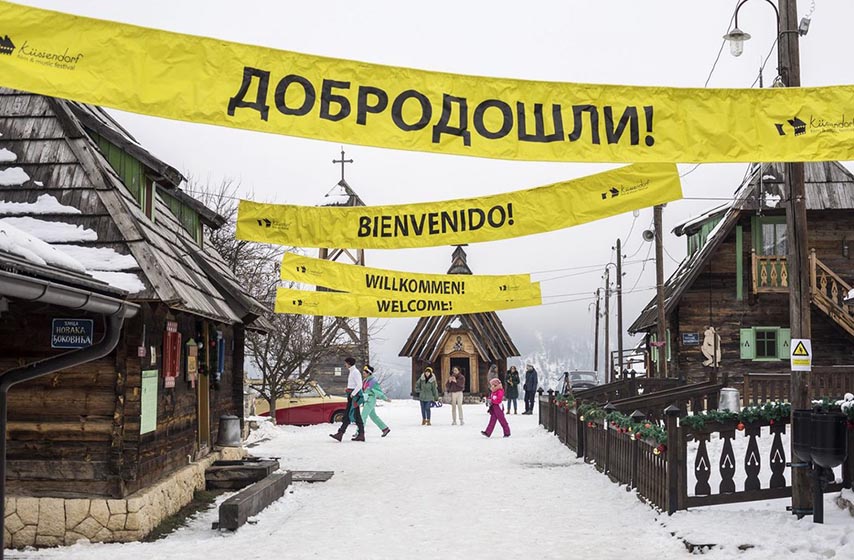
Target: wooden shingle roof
(486, 330)
(828, 186)
(160, 260)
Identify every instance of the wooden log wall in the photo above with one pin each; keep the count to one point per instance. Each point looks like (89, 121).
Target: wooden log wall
(711, 301)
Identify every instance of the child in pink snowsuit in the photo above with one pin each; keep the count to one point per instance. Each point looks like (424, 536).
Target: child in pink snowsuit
(496, 414)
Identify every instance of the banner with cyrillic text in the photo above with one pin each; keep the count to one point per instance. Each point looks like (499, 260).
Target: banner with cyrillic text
(211, 81)
(339, 304)
(471, 220)
(392, 283)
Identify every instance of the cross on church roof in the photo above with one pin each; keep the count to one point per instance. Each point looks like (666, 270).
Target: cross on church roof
(342, 161)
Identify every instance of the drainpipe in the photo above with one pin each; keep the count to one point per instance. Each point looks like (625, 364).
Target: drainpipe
(33, 289)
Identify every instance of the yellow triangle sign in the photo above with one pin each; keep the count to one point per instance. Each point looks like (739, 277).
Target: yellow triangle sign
(800, 350)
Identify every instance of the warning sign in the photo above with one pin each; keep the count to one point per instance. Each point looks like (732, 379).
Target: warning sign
(801, 357)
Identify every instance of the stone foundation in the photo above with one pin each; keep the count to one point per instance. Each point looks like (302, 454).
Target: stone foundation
(64, 521)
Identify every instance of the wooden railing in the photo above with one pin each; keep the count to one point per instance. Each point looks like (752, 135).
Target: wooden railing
(824, 382)
(828, 292)
(720, 474)
(625, 388)
(770, 273)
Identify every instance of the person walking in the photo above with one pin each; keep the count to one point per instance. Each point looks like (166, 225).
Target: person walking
(428, 393)
(512, 393)
(455, 386)
(530, 386)
(354, 390)
(371, 391)
(496, 414)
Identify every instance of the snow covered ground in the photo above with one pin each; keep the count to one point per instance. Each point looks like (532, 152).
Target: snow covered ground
(447, 492)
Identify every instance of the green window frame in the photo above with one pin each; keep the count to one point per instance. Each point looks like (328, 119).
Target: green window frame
(654, 355)
(765, 344)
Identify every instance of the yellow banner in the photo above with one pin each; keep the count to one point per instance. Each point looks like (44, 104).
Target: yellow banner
(217, 82)
(338, 304)
(379, 282)
(468, 220)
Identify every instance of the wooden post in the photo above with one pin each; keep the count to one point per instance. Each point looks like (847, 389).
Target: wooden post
(620, 308)
(607, 354)
(579, 434)
(637, 416)
(552, 411)
(673, 467)
(796, 225)
(607, 466)
(659, 290)
(596, 336)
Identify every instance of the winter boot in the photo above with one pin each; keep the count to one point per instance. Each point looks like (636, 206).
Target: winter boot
(359, 437)
(428, 422)
(423, 421)
(386, 431)
(355, 437)
(336, 436)
(484, 433)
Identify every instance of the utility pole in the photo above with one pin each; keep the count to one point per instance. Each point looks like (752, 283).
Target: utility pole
(620, 305)
(596, 335)
(607, 360)
(659, 291)
(796, 225)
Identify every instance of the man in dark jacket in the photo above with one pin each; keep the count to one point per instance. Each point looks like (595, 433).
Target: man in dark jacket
(530, 387)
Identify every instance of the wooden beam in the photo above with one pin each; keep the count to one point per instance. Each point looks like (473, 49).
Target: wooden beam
(236, 510)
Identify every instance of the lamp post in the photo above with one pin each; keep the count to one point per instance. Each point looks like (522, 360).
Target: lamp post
(789, 72)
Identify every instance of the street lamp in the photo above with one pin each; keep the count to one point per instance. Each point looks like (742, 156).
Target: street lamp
(789, 72)
(736, 37)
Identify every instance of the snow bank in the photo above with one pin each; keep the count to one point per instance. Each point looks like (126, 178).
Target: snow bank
(45, 204)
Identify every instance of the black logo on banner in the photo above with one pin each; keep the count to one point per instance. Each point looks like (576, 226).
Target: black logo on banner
(799, 127)
(6, 45)
(614, 191)
(264, 222)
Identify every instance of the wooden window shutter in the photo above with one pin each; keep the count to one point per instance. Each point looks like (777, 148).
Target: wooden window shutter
(784, 340)
(747, 342)
(220, 353)
(667, 345)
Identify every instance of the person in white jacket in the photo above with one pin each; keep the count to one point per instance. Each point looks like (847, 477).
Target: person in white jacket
(354, 387)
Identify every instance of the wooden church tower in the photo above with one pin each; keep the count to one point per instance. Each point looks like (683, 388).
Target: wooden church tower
(470, 342)
(348, 335)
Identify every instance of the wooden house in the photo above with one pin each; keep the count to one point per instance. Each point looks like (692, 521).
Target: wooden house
(106, 449)
(471, 342)
(732, 290)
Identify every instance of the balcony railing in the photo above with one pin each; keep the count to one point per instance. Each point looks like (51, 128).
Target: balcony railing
(770, 274)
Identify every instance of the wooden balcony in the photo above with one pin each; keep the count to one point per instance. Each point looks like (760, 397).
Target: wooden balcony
(770, 274)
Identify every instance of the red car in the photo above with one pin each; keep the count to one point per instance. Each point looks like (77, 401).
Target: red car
(308, 404)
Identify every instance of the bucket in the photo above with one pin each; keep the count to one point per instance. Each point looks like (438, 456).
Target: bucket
(730, 400)
(229, 431)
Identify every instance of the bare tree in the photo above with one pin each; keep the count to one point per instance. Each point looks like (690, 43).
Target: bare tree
(285, 355)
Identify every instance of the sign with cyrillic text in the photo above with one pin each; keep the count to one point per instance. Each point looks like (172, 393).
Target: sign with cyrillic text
(392, 283)
(338, 304)
(470, 220)
(71, 333)
(211, 81)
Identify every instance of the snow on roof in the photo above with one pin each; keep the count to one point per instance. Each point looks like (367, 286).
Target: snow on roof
(52, 232)
(126, 281)
(21, 243)
(7, 156)
(13, 177)
(45, 204)
(702, 217)
(337, 196)
(100, 258)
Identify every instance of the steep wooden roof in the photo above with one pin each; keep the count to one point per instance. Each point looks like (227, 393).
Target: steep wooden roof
(485, 329)
(49, 138)
(828, 186)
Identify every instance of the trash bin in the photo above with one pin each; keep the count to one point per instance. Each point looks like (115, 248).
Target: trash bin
(229, 431)
(730, 400)
(829, 439)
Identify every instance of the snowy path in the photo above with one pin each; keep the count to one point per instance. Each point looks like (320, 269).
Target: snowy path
(443, 492)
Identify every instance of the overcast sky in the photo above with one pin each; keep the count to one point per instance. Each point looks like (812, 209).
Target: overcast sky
(651, 42)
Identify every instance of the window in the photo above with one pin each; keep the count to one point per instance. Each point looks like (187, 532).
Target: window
(769, 236)
(765, 343)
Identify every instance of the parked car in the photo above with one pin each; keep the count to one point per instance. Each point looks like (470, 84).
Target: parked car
(304, 405)
(580, 380)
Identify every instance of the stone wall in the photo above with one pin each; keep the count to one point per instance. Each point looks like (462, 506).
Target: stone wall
(64, 521)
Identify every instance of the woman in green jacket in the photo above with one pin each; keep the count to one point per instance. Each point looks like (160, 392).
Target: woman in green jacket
(512, 393)
(427, 392)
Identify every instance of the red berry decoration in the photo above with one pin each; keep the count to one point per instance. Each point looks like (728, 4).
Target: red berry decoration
(647, 425)
(771, 422)
(740, 427)
(637, 436)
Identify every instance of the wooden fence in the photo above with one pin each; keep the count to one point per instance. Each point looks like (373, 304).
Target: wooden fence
(830, 382)
(661, 478)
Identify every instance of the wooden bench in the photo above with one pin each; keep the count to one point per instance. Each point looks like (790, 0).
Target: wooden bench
(236, 510)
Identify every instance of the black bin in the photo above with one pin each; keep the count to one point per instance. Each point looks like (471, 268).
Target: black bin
(802, 435)
(830, 439)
